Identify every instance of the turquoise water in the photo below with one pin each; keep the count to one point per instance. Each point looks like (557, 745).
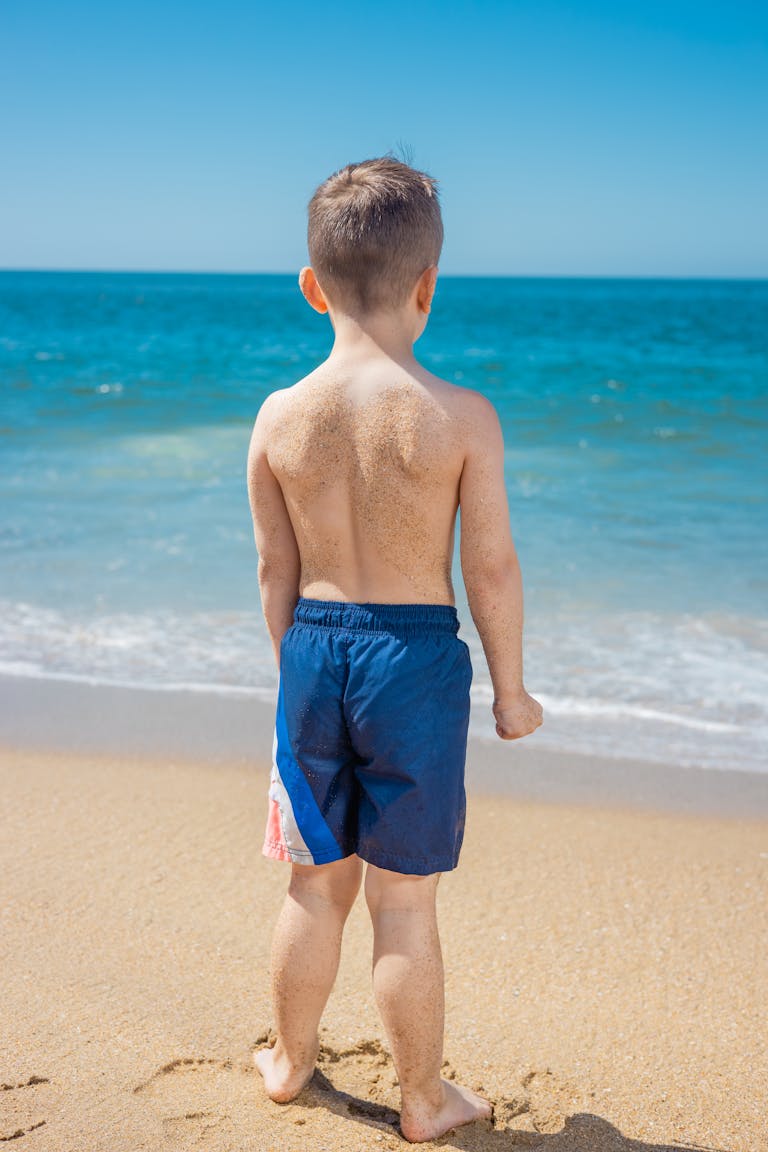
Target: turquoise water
(635, 417)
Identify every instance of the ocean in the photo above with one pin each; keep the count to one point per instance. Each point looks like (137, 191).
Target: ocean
(634, 412)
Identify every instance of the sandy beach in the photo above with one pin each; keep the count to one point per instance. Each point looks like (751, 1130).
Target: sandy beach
(606, 973)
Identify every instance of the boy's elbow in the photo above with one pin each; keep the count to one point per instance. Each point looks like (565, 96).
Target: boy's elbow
(491, 574)
(277, 569)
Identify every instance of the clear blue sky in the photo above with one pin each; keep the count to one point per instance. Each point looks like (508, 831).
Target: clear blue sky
(624, 138)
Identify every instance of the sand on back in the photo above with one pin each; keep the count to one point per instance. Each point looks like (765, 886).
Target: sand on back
(369, 466)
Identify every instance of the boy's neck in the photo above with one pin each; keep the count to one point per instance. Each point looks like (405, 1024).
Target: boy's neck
(380, 334)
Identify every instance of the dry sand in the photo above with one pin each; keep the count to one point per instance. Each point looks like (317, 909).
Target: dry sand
(606, 972)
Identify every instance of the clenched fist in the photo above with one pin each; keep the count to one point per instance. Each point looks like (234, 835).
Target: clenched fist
(517, 716)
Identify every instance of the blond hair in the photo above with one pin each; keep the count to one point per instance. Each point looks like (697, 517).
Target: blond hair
(374, 227)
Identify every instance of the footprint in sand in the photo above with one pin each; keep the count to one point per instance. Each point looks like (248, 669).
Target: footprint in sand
(365, 1077)
(542, 1105)
(198, 1097)
(23, 1106)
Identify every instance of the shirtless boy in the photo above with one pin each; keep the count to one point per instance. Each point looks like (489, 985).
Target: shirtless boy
(355, 476)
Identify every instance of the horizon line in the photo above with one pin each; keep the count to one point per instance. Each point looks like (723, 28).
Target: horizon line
(757, 278)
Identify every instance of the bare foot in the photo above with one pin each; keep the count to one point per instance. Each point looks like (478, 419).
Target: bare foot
(420, 1122)
(283, 1080)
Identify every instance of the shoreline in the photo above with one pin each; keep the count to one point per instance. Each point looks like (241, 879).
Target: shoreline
(52, 715)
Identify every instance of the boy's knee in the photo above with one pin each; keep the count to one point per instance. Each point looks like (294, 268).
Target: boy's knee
(385, 890)
(337, 883)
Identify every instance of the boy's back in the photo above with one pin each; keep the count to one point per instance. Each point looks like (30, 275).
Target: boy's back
(369, 457)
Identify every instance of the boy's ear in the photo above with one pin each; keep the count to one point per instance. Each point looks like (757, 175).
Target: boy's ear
(425, 289)
(311, 290)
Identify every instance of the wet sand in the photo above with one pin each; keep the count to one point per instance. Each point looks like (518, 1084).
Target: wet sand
(66, 715)
(606, 971)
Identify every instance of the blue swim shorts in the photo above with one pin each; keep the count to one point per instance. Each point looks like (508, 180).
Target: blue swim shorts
(370, 737)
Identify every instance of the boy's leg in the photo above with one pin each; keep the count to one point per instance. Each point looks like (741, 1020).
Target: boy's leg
(305, 959)
(408, 984)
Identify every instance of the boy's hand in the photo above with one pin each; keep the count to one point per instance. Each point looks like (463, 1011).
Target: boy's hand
(517, 716)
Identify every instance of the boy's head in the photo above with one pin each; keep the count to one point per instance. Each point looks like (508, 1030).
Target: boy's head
(374, 228)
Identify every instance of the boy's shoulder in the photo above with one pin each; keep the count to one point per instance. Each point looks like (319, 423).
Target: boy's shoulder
(470, 399)
(473, 409)
(277, 401)
(274, 407)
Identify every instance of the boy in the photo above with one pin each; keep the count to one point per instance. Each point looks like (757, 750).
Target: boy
(355, 475)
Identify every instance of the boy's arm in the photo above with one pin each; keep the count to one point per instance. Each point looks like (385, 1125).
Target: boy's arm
(279, 561)
(491, 572)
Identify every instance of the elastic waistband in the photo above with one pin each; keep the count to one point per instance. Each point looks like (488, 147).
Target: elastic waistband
(401, 619)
